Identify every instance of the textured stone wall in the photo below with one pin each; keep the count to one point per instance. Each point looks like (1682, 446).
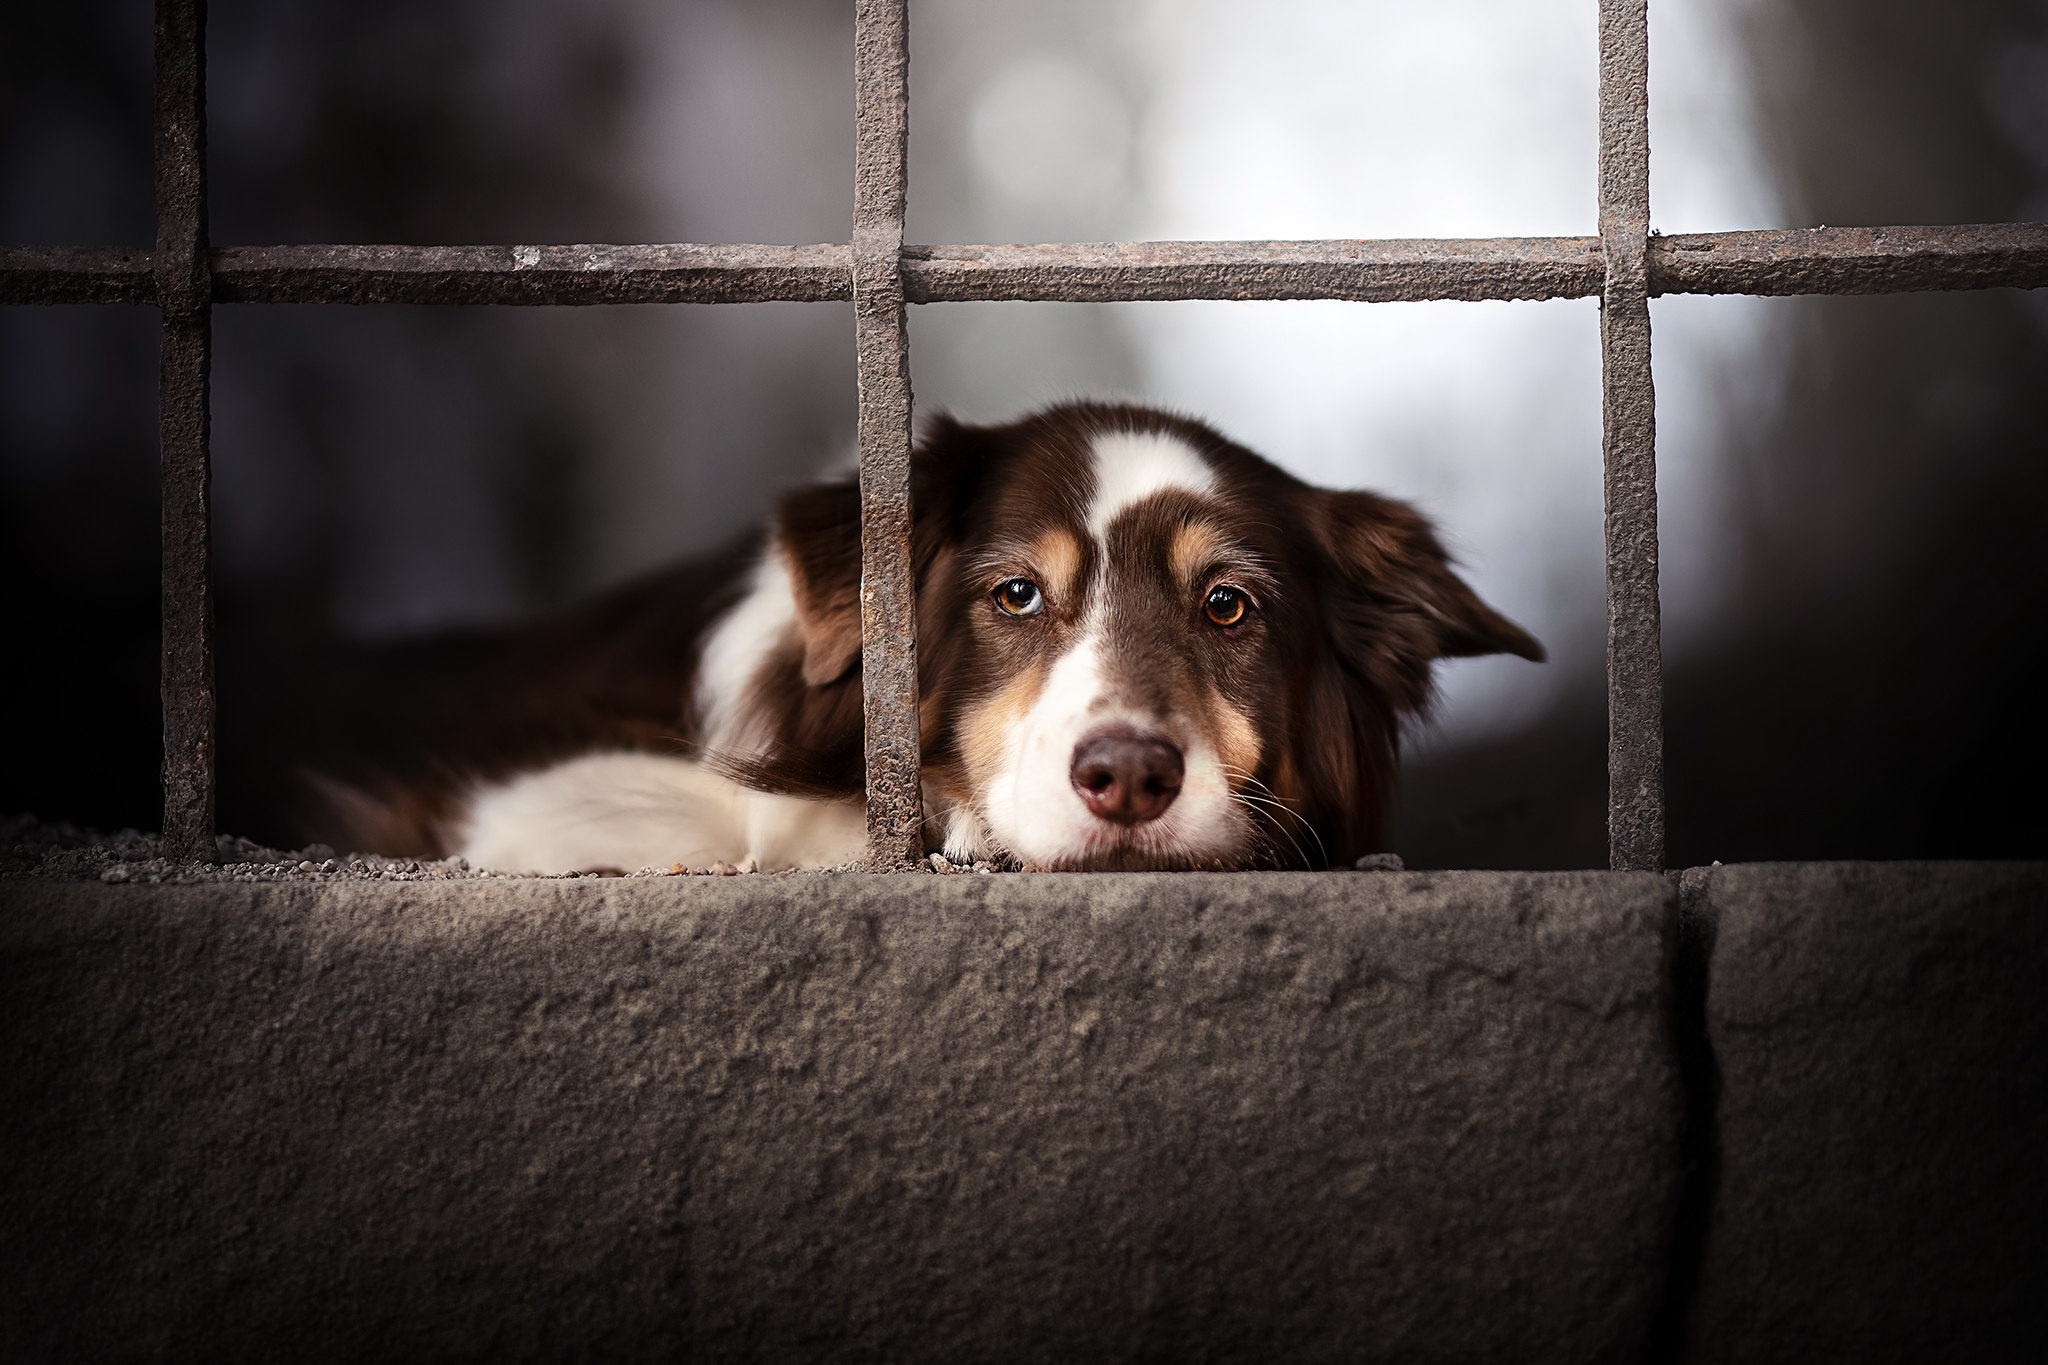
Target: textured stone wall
(1881, 1038)
(1745, 1112)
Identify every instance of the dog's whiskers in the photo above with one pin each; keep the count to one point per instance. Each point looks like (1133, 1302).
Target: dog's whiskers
(1262, 812)
(1269, 803)
(1269, 809)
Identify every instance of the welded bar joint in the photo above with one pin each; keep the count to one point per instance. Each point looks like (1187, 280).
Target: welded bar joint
(184, 294)
(888, 587)
(1635, 682)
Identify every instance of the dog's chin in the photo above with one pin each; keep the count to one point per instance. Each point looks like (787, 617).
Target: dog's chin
(1128, 861)
(1120, 852)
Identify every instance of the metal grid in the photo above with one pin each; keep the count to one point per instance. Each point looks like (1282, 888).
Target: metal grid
(1625, 265)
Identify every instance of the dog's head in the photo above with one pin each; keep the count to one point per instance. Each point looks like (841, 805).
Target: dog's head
(1140, 645)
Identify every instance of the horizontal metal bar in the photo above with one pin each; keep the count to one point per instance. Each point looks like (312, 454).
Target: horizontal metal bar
(444, 274)
(531, 274)
(1785, 261)
(1851, 260)
(1378, 271)
(76, 274)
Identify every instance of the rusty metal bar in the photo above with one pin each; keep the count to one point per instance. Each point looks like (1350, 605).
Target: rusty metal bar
(76, 274)
(532, 274)
(1877, 260)
(184, 294)
(1367, 271)
(1852, 260)
(888, 586)
(1635, 676)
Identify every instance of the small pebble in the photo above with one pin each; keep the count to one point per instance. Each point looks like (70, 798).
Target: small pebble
(1379, 862)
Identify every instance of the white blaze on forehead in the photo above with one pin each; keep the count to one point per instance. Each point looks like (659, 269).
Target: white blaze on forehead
(1029, 804)
(1131, 466)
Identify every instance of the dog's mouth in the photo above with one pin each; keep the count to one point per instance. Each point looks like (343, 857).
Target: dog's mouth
(1126, 796)
(1127, 781)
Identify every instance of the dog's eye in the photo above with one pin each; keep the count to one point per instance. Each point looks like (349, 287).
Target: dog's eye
(1019, 597)
(1225, 606)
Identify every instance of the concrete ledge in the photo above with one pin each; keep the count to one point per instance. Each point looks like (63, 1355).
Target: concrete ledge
(1425, 1116)
(1881, 1036)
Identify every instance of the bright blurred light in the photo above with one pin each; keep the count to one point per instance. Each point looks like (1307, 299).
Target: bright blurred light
(1367, 118)
(1334, 118)
(1049, 131)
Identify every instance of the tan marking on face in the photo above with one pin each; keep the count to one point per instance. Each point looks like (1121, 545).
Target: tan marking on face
(986, 730)
(1286, 783)
(1195, 547)
(1237, 741)
(1057, 555)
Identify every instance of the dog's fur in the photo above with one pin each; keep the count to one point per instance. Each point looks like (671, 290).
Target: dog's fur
(1130, 717)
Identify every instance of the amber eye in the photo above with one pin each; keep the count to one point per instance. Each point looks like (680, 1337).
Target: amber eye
(1019, 597)
(1225, 606)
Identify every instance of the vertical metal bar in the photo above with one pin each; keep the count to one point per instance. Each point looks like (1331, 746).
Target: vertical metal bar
(888, 607)
(184, 294)
(1635, 678)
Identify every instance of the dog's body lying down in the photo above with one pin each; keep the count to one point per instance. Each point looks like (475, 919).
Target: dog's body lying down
(1139, 646)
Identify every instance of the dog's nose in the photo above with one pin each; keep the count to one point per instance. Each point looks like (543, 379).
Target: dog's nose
(1126, 776)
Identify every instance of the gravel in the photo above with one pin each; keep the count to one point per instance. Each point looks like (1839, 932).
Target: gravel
(65, 852)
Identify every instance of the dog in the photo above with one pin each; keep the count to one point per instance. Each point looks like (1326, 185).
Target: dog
(1140, 646)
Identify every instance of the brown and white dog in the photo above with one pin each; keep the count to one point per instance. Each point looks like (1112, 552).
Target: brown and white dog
(1140, 645)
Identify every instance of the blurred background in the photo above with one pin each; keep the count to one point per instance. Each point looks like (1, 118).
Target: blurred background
(1854, 490)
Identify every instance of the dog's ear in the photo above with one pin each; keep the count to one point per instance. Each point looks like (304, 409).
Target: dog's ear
(817, 531)
(1391, 604)
(818, 534)
(1396, 587)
